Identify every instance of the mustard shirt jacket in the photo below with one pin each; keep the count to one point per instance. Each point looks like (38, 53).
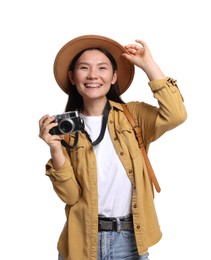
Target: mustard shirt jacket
(76, 182)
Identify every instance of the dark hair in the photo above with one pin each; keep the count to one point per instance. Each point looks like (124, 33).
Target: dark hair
(75, 100)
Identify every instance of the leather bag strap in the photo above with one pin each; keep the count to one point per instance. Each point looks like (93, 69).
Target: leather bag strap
(137, 131)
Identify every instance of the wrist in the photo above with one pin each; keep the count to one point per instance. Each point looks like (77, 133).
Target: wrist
(153, 71)
(58, 158)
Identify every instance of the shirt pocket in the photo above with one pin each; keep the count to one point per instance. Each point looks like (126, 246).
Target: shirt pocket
(127, 139)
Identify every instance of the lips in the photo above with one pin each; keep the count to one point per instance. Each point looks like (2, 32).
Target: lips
(94, 85)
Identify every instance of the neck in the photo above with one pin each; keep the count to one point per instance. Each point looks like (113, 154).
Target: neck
(94, 108)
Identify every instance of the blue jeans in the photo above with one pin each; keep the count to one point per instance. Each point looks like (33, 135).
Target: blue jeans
(117, 246)
(60, 257)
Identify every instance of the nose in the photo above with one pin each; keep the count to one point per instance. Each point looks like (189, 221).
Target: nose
(92, 74)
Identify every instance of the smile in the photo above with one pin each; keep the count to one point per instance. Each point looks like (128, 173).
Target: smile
(93, 85)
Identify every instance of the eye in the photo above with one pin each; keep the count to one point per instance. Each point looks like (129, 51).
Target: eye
(103, 68)
(83, 67)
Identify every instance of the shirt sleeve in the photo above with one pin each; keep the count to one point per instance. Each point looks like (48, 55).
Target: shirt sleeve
(64, 181)
(171, 111)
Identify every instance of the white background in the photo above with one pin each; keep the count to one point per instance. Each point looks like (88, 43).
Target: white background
(32, 32)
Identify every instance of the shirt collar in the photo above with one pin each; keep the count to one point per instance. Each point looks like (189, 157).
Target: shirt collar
(115, 105)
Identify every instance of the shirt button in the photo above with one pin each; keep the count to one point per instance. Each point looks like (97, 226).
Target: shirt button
(121, 153)
(130, 171)
(138, 227)
(115, 138)
(134, 205)
(111, 121)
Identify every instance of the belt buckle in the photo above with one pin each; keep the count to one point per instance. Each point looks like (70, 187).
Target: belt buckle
(117, 225)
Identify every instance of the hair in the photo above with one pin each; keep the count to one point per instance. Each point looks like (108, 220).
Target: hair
(75, 100)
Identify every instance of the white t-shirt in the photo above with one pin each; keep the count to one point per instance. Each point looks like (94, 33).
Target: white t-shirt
(114, 186)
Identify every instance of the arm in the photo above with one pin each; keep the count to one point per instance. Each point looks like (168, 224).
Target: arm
(171, 111)
(53, 141)
(155, 121)
(64, 181)
(59, 168)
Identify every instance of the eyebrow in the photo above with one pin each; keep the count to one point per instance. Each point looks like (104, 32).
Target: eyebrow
(86, 63)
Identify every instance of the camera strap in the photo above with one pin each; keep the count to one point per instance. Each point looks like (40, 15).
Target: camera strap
(107, 108)
(104, 123)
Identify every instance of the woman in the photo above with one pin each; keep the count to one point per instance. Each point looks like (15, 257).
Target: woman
(102, 178)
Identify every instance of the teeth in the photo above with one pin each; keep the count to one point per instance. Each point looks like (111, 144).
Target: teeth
(92, 85)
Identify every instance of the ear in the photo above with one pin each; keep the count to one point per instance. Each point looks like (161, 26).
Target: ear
(71, 77)
(114, 79)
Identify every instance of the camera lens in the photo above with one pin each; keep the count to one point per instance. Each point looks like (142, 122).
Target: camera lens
(66, 126)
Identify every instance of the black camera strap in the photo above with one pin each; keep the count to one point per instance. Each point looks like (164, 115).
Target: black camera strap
(102, 132)
(104, 123)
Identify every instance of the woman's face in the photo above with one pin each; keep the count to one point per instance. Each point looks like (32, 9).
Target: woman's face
(93, 75)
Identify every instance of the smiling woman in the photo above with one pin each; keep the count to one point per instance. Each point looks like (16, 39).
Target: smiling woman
(104, 65)
(92, 76)
(102, 178)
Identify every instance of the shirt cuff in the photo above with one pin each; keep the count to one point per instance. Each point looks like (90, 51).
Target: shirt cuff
(60, 175)
(158, 84)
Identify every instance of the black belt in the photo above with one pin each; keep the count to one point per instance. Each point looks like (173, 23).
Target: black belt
(115, 224)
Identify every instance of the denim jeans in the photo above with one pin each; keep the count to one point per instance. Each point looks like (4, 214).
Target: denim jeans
(117, 246)
(60, 257)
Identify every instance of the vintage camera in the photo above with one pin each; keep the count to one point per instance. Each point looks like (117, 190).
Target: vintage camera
(67, 123)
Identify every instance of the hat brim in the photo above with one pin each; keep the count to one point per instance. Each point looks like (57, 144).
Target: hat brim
(125, 69)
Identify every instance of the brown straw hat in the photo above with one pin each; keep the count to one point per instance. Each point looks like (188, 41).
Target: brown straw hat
(125, 69)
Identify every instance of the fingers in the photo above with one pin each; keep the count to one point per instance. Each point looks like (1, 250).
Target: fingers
(42, 120)
(138, 53)
(133, 48)
(45, 124)
(141, 42)
(134, 45)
